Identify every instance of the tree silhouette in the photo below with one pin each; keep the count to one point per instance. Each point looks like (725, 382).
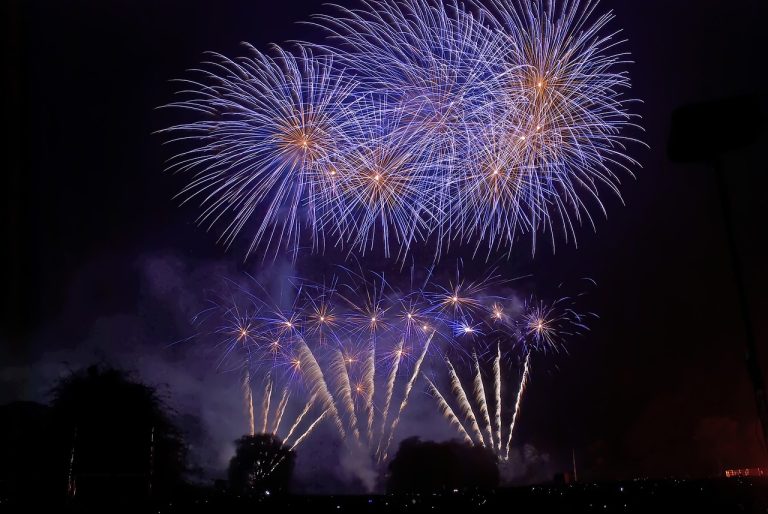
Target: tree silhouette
(116, 439)
(428, 466)
(26, 450)
(261, 463)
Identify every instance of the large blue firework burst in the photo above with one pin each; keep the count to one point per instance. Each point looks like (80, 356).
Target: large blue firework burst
(419, 122)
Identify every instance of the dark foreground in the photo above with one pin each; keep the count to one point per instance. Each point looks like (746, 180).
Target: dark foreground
(715, 495)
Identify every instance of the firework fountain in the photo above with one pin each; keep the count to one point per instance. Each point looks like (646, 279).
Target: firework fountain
(357, 346)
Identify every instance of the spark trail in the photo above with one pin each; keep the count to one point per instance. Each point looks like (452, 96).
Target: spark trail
(344, 390)
(319, 387)
(447, 411)
(479, 390)
(301, 415)
(309, 429)
(281, 409)
(471, 425)
(461, 397)
(266, 402)
(518, 402)
(248, 398)
(497, 394)
(406, 395)
(369, 381)
(389, 391)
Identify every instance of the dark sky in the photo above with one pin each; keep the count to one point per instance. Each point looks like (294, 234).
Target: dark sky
(658, 387)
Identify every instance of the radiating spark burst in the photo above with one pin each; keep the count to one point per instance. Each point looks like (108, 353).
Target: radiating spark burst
(381, 193)
(430, 122)
(269, 130)
(565, 86)
(432, 66)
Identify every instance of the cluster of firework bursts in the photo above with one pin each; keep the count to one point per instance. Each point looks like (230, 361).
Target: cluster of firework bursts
(354, 349)
(429, 122)
(417, 122)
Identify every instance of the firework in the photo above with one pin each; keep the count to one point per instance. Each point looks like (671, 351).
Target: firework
(265, 146)
(356, 346)
(566, 85)
(540, 327)
(495, 442)
(271, 418)
(482, 402)
(466, 407)
(406, 395)
(248, 400)
(423, 122)
(431, 67)
(518, 402)
(447, 411)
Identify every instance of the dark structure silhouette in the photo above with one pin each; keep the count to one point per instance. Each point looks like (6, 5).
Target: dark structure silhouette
(428, 467)
(115, 439)
(262, 465)
(698, 135)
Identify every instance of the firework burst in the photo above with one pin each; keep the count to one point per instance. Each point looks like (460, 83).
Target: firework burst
(263, 153)
(427, 122)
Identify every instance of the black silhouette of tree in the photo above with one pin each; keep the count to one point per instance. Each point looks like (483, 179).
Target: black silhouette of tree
(428, 466)
(26, 450)
(116, 438)
(262, 463)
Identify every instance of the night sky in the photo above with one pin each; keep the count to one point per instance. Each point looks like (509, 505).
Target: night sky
(101, 261)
